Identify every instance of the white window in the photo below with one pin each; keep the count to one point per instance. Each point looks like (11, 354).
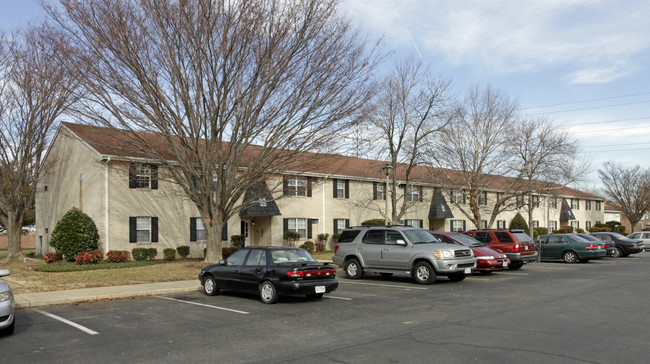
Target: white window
(588, 225)
(414, 194)
(340, 188)
(457, 225)
(412, 222)
(587, 204)
(142, 175)
(339, 225)
(501, 224)
(484, 223)
(262, 201)
(535, 224)
(379, 191)
(552, 203)
(298, 225)
(575, 203)
(535, 200)
(598, 205)
(200, 230)
(296, 186)
(552, 226)
(143, 229)
(482, 198)
(457, 197)
(519, 199)
(575, 225)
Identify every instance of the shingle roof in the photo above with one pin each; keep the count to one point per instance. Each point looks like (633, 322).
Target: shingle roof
(439, 208)
(108, 143)
(260, 190)
(565, 212)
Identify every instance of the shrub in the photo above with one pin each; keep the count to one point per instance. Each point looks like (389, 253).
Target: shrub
(75, 232)
(291, 237)
(374, 222)
(566, 229)
(169, 254)
(320, 246)
(238, 241)
(518, 222)
(335, 238)
(52, 257)
(152, 253)
(227, 251)
(580, 231)
(140, 254)
(183, 251)
(541, 231)
(91, 257)
(308, 246)
(322, 238)
(117, 256)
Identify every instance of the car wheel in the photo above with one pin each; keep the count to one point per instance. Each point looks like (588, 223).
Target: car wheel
(585, 260)
(386, 275)
(315, 296)
(485, 272)
(457, 277)
(570, 257)
(424, 273)
(515, 266)
(210, 287)
(268, 293)
(617, 253)
(353, 269)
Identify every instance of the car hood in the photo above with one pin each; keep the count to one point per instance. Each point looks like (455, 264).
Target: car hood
(486, 251)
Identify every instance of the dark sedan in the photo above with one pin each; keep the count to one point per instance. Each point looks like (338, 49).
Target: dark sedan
(607, 245)
(271, 272)
(570, 248)
(624, 245)
(488, 259)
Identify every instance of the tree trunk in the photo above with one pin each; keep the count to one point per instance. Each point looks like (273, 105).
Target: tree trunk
(213, 240)
(14, 230)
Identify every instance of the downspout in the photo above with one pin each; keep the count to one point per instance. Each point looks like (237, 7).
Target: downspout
(106, 203)
(323, 215)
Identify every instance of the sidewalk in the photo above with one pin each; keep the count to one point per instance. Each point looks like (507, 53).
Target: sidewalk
(26, 300)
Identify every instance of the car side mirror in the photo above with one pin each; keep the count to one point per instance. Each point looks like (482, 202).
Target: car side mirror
(222, 262)
(400, 242)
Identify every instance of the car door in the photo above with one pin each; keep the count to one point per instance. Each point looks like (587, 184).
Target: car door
(253, 269)
(554, 247)
(229, 273)
(395, 256)
(371, 247)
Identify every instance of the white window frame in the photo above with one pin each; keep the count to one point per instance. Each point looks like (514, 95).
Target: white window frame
(379, 191)
(501, 224)
(298, 225)
(457, 197)
(413, 194)
(482, 198)
(552, 226)
(535, 224)
(262, 202)
(587, 204)
(575, 225)
(201, 235)
(457, 225)
(143, 229)
(552, 202)
(575, 204)
(412, 222)
(587, 225)
(297, 186)
(142, 176)
(340, 188)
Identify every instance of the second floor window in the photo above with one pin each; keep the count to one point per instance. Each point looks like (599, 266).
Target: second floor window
(378, 191)
(520, 200)
(587, 204)
(552, 203)
(341, 188)
(598, 205)
(457, 197)
(415, 194)
(535, 200)
(295, 186)
(143, 176)
(482, 198)
(575, 203)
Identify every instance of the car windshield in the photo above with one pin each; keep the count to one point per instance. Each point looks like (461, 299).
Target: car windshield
(420, 236)
(467, 240)
(281, 256)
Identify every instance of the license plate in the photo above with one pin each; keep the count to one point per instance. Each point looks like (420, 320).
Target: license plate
(468, 270)
(505, 264)
(526, 247)
(320, 289)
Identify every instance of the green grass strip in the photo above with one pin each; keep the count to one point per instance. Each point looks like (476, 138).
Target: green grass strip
(74, 267)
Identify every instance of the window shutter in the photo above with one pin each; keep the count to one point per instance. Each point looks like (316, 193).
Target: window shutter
(347, 223)
(132, 231)
(334, 180)
(464, 198)
(192, 228)
(154, 177)
(132, 175)
(285, 185)
(347, 188)
(420, 192)
(421, 224)
(285, 223)
(309, 229)
(224, 232)
(464, 226)
(308, 186)
(242, 228)
(154, 229)
(374, 190)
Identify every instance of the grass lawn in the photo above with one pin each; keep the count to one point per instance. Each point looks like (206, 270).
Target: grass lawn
(26, 251)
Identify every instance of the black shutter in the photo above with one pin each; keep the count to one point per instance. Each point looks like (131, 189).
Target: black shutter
(420, 193)
(464, 225)
(421, 224)
(132, 175)
(309, 230)
(285, 223)
(242, 228)
(192, 228)
(154, 177)
(335, 225)
(334, 189)
(451, 225)
(133, 236)
(347, 223)
(154, 229)
(464, 199)
(308, 186)
(224, 232)
(347, 188)
(285, 185)
(374, 190)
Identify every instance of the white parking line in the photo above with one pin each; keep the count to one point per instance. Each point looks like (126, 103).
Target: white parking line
(75, 325)
(339, 298)
(204, 305)
(382, 285)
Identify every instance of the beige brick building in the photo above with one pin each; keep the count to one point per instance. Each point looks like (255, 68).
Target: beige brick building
(133, 205)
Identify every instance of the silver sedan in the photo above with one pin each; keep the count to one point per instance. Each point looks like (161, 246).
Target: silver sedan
(7, 318)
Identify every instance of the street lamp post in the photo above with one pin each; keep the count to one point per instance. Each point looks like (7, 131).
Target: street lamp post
(387, 170)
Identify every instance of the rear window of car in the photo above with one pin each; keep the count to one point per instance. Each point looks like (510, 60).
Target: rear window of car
(291, 256)
(483, 237)
(503, 237)
(348, 236)
(522, 237)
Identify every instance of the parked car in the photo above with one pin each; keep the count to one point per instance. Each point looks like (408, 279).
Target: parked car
(401, 249)
(624, 246)
(514, 243)
(488, 259)
(644, 236)
(271, 272)
(7, 306)
(570, 248)
(607, 245)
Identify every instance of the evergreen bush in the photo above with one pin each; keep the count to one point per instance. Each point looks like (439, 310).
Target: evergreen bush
(518, 222)
(308, 246)
(238, 241)
(74, 233)
(374, 222)
(169, 254)
(183, 251)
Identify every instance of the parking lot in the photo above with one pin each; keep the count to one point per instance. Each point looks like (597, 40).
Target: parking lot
(548, 312)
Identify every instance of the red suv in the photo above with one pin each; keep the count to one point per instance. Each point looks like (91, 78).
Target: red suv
(515, 244)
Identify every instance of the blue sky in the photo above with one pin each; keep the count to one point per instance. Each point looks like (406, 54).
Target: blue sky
(584, 64)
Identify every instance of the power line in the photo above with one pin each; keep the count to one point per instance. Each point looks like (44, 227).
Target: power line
(591, 108)
(582, 101)
(615, 150)
(615, 145)
(617, 129)
(608, 121)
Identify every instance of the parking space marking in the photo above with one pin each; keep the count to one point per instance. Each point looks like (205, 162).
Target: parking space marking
(204, 305)
(73, 324)
(340, 298)
(383, 285)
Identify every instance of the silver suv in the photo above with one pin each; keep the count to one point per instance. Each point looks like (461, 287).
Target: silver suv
(401, 249)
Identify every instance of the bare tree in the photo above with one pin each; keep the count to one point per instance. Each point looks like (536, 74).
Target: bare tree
(629, 188)
(411, 107)
(238, 90)
(35, 89)
(473, 151)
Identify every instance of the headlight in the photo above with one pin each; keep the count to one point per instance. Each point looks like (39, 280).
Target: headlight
(486, 257)
(444, 254)
(5, 296)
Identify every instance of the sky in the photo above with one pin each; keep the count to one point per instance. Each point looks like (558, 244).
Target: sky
(583, 64)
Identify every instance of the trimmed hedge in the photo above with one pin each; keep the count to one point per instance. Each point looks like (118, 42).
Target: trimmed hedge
(308, 246)
(89, 257)
(374, 222)
(52, 257)
(169, 254)
(141, 254)
(183, 251)
(117, 256)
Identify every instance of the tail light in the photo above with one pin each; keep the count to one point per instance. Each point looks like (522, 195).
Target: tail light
(336, 248)
(516, 247)
(592, 246)
(311, 273)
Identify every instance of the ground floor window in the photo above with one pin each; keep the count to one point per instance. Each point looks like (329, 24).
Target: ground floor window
(457, 225)
(535, 224)
(501, 224)
(575, 225)
(588, 225)
(298, 225)
(143, 229)
(413, 222)
(340, 225)
(552, 226)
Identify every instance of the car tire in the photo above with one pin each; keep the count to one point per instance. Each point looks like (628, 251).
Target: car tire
(424, 273)
(268, 293)
(570, 256)
(584, 260)
(386, 275)
(617, 252)
(457, 277)
(353, 269)
(485, 272)
(315, 296)
(515, 266)
(210, 287)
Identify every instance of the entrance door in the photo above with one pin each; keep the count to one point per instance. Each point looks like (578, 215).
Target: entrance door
(245, 232)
